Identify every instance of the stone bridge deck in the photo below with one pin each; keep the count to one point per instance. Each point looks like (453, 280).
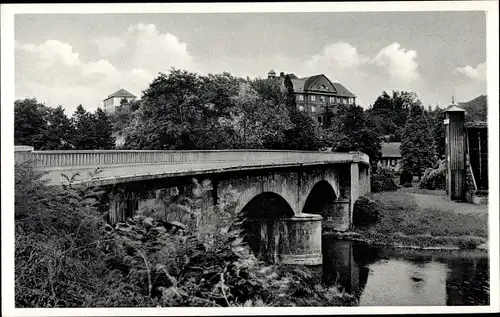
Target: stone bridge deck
(130, 166)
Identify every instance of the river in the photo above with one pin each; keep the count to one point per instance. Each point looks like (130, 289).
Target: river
(381, 276)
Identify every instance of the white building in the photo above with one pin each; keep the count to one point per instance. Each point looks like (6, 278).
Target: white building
(114, 100)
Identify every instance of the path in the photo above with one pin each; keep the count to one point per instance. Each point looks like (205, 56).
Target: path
(439, 200)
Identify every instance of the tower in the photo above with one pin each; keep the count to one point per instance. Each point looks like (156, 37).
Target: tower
(271, 74)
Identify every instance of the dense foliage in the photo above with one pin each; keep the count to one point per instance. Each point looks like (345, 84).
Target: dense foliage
(383, 180)
(389, 113)
(434, 178)
(436, 118)
(418, 149)
(406, 178)
(67, 256)
(47, 128)
(350, 130)
(365, 212)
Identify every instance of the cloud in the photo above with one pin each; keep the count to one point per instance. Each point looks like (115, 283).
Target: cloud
(399, 62)
(153, 51)
(475, 73)
(340, 55)
(54, 73)
(109, 46)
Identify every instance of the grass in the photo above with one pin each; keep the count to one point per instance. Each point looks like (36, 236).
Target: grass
(403, 222)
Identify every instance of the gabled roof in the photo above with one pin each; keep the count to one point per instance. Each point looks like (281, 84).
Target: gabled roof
(453, 108)
(122, 93)
(302, 84)
(311, 80)
(391, 149)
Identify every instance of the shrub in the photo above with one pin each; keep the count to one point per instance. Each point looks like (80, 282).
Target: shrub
(434, 178)
(383, 180)
(406, 178)
(365, 212)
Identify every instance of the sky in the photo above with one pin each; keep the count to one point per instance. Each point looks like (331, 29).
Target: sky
(72, 59)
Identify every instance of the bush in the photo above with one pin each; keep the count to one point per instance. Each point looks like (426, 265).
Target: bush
(434, 178)
(383, 180)
(406, 178)
(365, 212)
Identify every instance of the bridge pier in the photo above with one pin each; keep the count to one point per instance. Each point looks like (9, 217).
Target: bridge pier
(295, 240)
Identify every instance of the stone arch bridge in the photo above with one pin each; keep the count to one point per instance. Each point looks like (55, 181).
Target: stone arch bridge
(287, 196)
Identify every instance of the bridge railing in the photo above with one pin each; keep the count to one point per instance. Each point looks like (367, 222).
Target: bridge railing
(105, 158)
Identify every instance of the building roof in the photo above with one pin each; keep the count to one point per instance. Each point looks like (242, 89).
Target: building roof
(298, 84)
(122, 93)
(391, 149)
(477, 124)
(342, 91)
(302, 84)
(453, 108)
(305, 82)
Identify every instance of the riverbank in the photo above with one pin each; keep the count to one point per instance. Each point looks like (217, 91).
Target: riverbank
(423, 221)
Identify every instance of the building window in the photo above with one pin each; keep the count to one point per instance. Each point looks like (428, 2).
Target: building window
(301, 108)
(313, 108)
(301, 97)
(313, 98)
(332, 99)
(351, 101)
(344, 101)
(322, 98)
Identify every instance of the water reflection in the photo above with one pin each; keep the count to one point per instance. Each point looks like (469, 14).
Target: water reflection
(397, 277)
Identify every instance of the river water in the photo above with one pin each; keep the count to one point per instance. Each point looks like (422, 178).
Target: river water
(380, 276)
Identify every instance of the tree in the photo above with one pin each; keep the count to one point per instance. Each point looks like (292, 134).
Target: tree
(60, 133)
(82, 122)
(42, 127)
(258, 123)
(30, 123)
(102, 131)
(93, 131)
(170, 113)
(436, 121)
(389, 113)
(418, 149)
(289, 95)
(304, 133)
(352, 132)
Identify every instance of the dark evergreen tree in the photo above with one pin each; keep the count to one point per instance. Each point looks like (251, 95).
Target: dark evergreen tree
(83, 124)
(289, 94)
(60, 133)
(436, 121)
(304, 133)
(418, 149)
(102, 131)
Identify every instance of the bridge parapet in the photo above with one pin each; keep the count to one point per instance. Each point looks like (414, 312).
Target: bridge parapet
(107, 158)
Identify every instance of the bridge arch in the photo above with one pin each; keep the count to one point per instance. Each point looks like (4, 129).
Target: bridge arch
(249, 194)
(319, 198)
(323, 199)
(263, 227)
